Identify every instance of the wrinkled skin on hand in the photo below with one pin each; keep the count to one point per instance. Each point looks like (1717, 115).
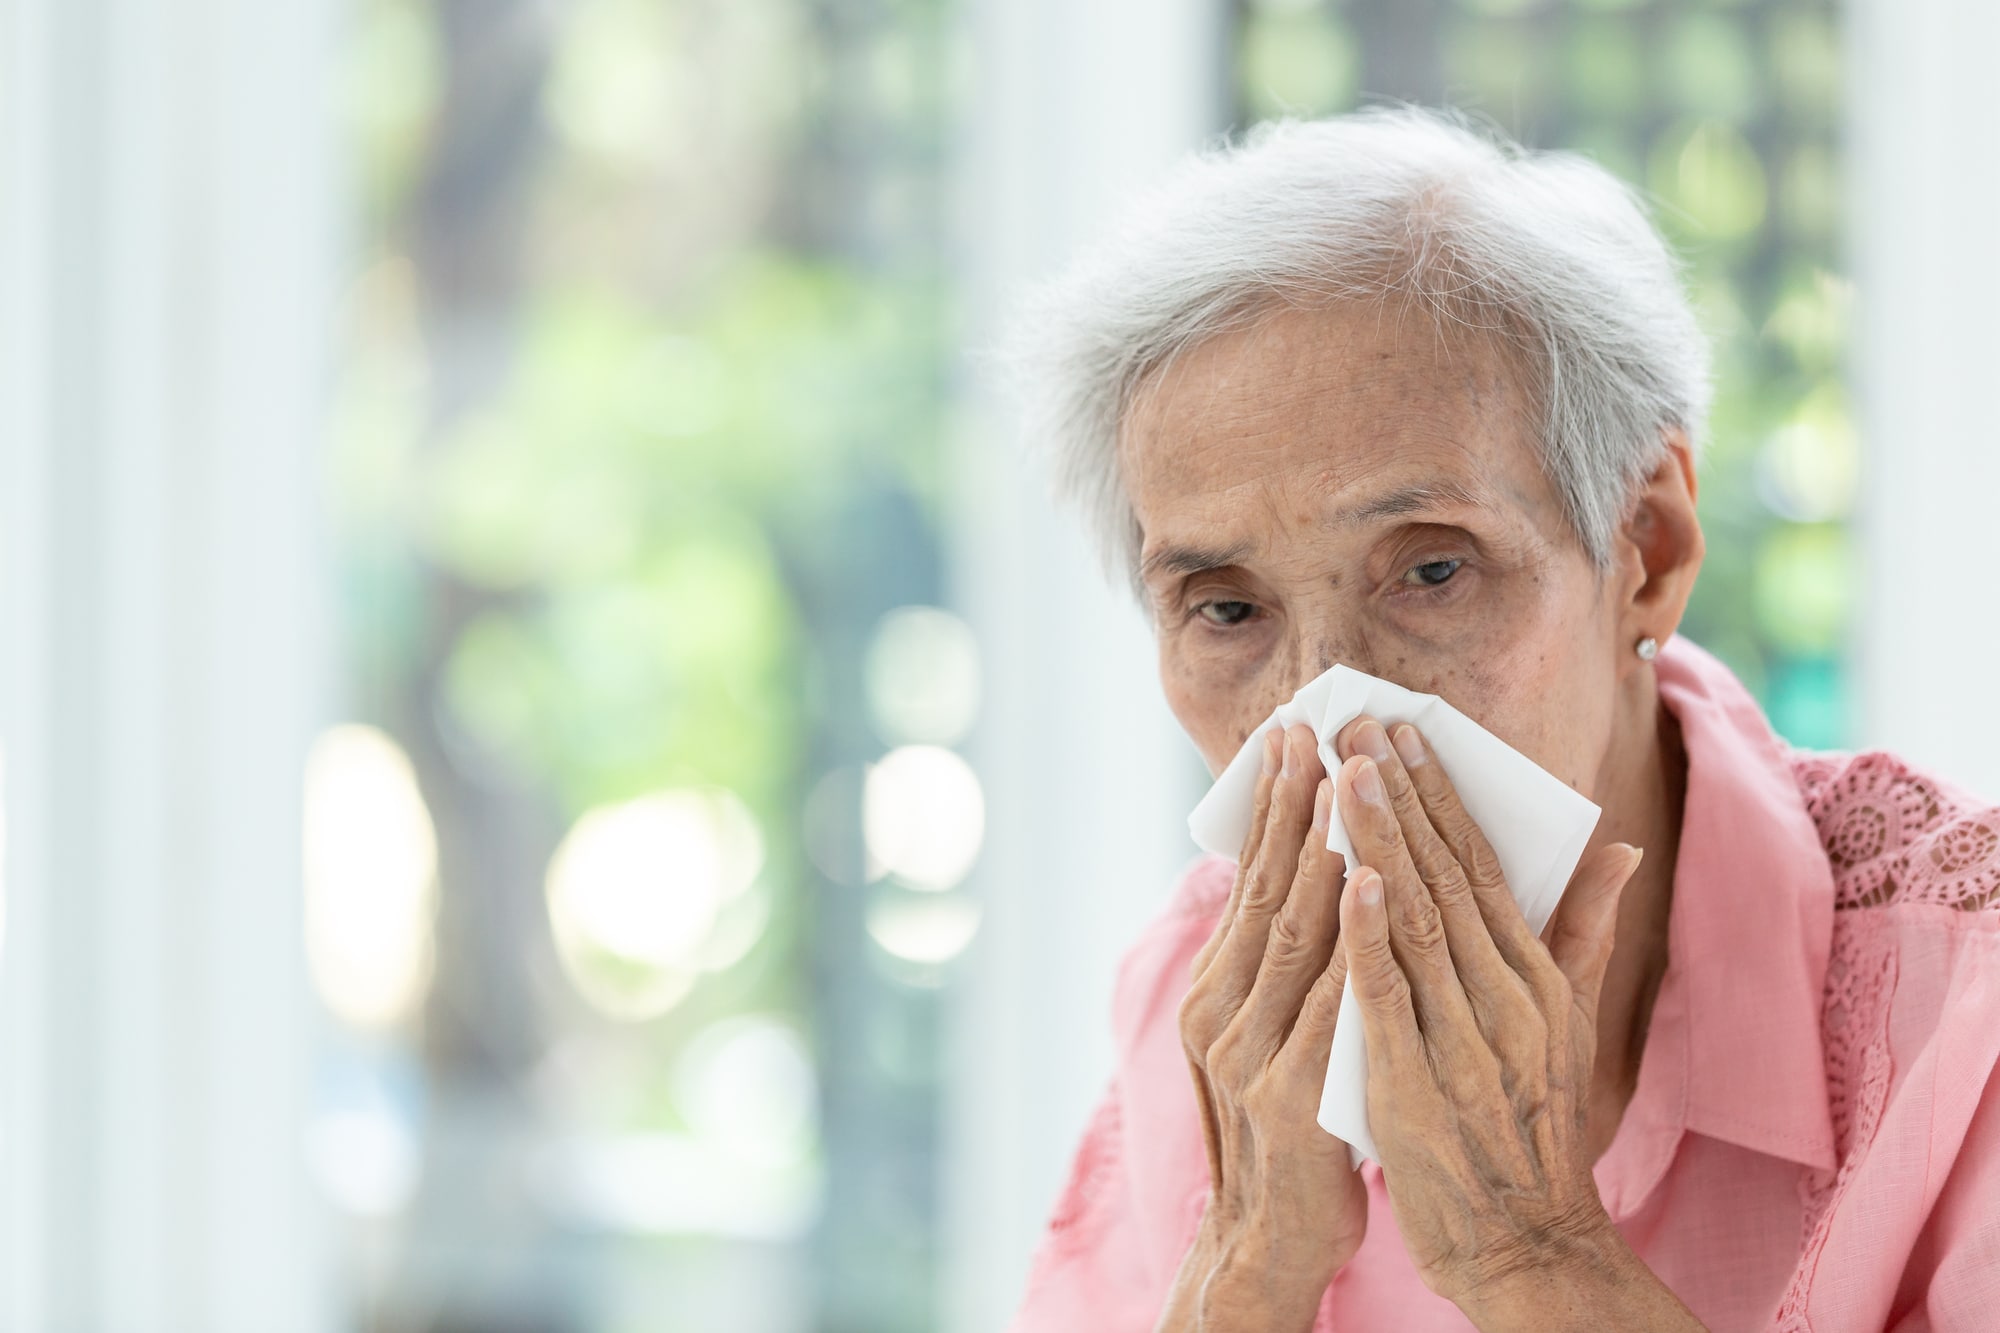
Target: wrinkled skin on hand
(1257, 1026)
(1480, 1036)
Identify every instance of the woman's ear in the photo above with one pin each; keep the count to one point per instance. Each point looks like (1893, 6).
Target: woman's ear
(1661, 546)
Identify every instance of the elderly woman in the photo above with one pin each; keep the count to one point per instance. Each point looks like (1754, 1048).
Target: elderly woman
(1384, 391)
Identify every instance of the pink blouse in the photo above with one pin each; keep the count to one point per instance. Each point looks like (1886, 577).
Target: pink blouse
(1814, 1141)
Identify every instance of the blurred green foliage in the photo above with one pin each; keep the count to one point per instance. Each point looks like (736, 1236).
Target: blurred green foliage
(643, 388)
(617, 498)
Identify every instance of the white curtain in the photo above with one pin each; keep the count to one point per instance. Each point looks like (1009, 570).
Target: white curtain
(1923, 209)
(1088, 779)
(168, 205)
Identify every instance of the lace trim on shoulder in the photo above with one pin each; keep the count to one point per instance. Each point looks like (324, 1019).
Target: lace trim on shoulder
(1896, 835)
(1860, 981)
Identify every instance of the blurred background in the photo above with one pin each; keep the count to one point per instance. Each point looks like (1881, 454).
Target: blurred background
(560, 772)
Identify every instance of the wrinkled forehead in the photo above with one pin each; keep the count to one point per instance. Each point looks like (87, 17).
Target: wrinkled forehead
(1320, 404)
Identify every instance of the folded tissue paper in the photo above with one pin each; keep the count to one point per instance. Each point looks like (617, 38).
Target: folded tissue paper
(1537, 824)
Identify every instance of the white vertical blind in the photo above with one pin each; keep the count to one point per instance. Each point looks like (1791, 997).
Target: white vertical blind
(1088, 778)
(167, 201)
(1924, 210)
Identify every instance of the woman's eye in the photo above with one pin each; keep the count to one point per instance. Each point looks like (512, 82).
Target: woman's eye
(1224, 613)
(1433, 572)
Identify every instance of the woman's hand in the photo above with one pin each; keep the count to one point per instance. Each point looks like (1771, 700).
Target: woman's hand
(1480, 1044)
(1285, 1210)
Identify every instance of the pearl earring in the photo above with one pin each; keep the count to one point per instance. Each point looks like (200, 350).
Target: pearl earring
(1648, 648)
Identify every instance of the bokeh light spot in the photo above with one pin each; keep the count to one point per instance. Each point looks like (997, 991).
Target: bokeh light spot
(923, 676)
(746, 1085)
(1710, 68)
(635, 889)
(1803, 588)
(370, 877)
(1296, 62)
(610, 91)
(1712, 175)
(1810, 468)
(923, 816)
(927, 928)
(364, 1158)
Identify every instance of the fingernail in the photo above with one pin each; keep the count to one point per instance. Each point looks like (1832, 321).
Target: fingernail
(1291, 755)
(1368, 886)
(1371, 740)
(1271, 742)
(1638, 855)
(1322, 804)
(1410, 746)
(1368, 783)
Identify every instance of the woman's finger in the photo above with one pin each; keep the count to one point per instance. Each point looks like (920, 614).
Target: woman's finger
(1585, 924)
(1499, 998)
(1301, 938)
(1416, 929)
(1505, 925)
(1260, 805)
(1311, 1041)
(1381, 991)
(1269, 882)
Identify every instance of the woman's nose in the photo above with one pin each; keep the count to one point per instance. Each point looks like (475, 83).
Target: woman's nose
(1316, 654)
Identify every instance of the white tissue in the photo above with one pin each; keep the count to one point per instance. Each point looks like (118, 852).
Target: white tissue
(1537, 823)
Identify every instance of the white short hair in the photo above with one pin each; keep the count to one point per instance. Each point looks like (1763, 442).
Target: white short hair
(1547, 253)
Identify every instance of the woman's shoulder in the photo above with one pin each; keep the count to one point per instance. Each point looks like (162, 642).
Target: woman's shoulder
(1911, 1030)
(1899, 837)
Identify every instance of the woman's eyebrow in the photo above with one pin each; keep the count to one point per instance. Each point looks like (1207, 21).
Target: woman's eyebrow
(1409, 500)
(1174, 559)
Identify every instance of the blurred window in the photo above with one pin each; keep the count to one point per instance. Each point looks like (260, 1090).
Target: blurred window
(635, 873)
(636, 870)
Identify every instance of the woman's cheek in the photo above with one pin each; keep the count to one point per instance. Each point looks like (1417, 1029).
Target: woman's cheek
(1193, 706)
(1231, 665)
(1479, 621)
(1215, 700)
